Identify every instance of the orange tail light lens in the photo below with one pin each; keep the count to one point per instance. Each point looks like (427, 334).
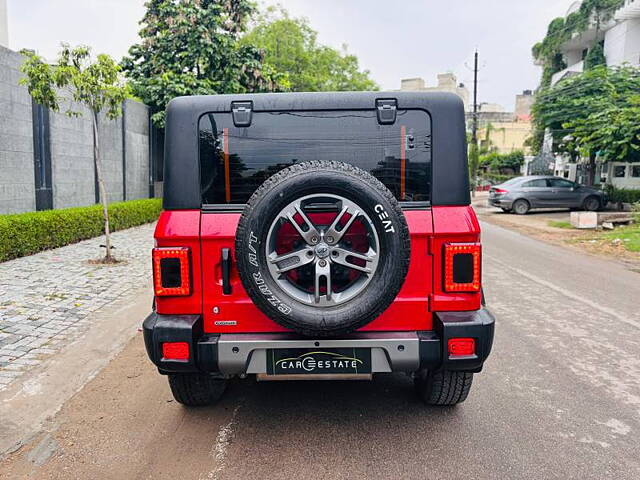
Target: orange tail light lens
(462, 263)
(171, 271)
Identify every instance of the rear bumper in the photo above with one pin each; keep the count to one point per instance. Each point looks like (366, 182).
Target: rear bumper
(500, 202)
(237, 354)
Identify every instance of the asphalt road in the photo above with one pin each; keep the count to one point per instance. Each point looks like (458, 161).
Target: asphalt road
(559, 398)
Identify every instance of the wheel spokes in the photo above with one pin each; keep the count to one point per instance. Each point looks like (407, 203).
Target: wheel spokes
(323, 270)
(332, 235)
(343, 257)
(289, 261)
(311, 233)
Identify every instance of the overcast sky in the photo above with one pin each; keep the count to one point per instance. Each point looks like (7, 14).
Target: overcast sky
(393, 39)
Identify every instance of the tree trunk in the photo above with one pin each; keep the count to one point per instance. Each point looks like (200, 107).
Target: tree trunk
(101, 188)
(592, 170)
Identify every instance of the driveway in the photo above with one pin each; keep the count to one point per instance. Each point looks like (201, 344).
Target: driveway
(559, 398)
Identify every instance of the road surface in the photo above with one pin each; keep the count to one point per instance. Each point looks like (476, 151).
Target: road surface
(559, 398)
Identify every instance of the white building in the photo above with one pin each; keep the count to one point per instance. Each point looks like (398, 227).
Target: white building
(620, 36)
(621, 40)
(4, 29)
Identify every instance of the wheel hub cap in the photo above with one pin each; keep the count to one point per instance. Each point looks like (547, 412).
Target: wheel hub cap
(322, 250)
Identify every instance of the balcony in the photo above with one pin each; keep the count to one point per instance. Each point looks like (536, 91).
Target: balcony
(567, 72)
(629, 11)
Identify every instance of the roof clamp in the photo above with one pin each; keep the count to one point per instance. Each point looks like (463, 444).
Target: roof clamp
(386, 110)
(241, 113)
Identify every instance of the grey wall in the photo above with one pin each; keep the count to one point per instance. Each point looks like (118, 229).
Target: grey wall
(71, 145)
(72, 160)
(137, 149)
(17, 183)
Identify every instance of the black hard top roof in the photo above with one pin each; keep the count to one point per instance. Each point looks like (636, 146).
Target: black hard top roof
(450, 183)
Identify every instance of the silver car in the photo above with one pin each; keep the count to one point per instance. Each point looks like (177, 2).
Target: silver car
(521, 194)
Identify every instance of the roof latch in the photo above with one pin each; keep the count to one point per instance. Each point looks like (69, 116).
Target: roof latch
(386, 108)
(241, 112)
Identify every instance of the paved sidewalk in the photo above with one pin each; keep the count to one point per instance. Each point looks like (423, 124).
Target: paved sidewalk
(46, 299)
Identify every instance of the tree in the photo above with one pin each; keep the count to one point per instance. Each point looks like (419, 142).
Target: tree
(593, 113)
(192, 47)
(474, 163)
(503, 162)
(95, 84)
(614, 132)
(595, 57)
(290, 46)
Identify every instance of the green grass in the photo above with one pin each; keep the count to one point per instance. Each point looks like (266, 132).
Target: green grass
(629, 235)
(559, 224)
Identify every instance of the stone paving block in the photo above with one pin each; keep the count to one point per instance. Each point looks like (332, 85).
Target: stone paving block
(52, 295)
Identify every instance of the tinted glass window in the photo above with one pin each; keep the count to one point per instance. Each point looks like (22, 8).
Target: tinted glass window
(235, 161)
(560, 183)
(512, 181)
(635, 171)
(541, 182)
(619, 171)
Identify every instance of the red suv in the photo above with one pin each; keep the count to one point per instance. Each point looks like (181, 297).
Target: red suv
(317, 236)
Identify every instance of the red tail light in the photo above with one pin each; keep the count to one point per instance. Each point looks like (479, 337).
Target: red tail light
(175, 351)
(171, 271)
(461, 346)
(500, 191)
(462, 267)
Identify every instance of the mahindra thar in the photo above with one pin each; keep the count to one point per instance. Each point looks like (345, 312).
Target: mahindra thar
(317, 236)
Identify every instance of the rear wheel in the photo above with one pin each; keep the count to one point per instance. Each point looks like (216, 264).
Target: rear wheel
(521, 207)
(591, 204)
(444, 387)
(196, 389)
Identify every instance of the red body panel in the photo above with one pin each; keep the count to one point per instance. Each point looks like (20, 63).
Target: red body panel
(206, 234)
(181, 228)
(452, 224)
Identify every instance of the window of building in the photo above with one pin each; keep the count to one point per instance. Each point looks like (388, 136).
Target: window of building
(619, 171)
(635, 171)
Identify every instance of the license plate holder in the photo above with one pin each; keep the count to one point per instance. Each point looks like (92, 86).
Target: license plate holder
(314, 361)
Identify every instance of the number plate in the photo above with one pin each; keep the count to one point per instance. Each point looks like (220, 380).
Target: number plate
(288, 361)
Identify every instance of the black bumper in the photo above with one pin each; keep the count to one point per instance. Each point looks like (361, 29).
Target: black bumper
(405, 351)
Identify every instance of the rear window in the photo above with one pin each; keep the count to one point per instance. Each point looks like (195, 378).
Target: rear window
(235, 161)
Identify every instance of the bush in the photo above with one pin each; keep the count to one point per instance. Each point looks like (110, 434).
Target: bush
(27, 233)
(622, 195)
(496, 178)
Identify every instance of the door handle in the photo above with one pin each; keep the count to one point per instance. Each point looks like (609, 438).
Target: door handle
(226, 271)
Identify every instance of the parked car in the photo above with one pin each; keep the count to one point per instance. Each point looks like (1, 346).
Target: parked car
(521, 194)
(317, 236)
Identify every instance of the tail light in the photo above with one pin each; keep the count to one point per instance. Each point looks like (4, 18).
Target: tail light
(462, 267)
(175, 351)
(459, 347)
(171, 271)
(500, 191)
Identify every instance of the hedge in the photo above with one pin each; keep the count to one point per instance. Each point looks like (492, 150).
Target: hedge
(27, 233)
(622, 195)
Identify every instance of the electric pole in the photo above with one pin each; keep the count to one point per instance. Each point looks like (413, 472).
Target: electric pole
(474, 126)
(473, 152)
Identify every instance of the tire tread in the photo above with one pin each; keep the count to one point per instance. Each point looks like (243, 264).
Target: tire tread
(195, 390)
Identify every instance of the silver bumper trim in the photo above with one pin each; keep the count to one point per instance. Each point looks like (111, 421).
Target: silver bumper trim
(247, 353)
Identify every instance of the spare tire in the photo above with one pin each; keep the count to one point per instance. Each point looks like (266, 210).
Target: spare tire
(322, 248)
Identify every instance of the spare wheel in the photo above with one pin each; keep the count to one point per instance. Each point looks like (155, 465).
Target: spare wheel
(322, 248)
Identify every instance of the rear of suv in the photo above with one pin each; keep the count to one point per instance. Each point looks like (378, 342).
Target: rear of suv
(317, 236)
